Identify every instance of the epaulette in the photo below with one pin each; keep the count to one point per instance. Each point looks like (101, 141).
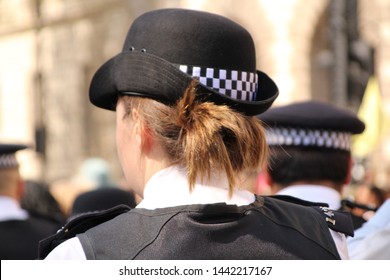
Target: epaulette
(337, 220)
(78, 225)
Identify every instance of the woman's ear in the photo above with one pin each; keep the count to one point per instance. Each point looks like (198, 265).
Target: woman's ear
(147, 139)
(136, 126)
(142, 133)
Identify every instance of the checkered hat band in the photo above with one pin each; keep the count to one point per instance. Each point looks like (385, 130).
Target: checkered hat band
(235, 84)
(285, 136)
(8, 161)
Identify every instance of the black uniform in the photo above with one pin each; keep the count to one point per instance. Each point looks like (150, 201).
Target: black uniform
(19, 239)
(269, 228)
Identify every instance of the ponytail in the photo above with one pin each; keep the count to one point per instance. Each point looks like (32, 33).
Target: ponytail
(204, 137)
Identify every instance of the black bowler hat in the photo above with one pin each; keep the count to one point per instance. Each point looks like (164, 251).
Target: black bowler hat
(164, 49)
(7, 155)
(311, 124)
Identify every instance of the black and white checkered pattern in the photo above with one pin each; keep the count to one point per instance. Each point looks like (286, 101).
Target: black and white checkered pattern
(288, 136)
(8, 161)
(235, 84)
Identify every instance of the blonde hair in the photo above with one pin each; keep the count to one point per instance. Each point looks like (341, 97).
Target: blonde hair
(202, 136)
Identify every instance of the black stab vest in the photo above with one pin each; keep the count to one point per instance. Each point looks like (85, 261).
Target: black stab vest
(269, 228)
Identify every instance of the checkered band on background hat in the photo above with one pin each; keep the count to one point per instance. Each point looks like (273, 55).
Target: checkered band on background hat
(311, 124)
(7, 155)
(165, 49)
(291, 136)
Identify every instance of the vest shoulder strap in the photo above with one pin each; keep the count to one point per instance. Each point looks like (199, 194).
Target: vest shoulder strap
(337, 220)
(79, 224)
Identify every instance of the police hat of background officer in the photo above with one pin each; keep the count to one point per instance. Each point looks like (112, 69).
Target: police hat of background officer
(311, 124)
(7, 155)
(164, 49)
(101, 199)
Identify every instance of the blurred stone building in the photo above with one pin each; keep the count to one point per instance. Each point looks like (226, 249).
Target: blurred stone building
(49, 50)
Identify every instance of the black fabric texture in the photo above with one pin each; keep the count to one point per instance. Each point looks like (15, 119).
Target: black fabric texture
(20, 238)
(77, 225)
(270, 228)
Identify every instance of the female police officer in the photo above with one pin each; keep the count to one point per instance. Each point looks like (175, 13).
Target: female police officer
(185, 89)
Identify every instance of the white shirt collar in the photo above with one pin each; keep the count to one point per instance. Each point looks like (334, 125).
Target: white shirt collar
(315, 193)
(169, 187)
(10, 210)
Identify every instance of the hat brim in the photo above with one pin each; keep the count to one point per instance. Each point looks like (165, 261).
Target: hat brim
(146, 75)
(11, 148)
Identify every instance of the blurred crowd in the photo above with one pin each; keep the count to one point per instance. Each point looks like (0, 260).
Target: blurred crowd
(31, 210)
